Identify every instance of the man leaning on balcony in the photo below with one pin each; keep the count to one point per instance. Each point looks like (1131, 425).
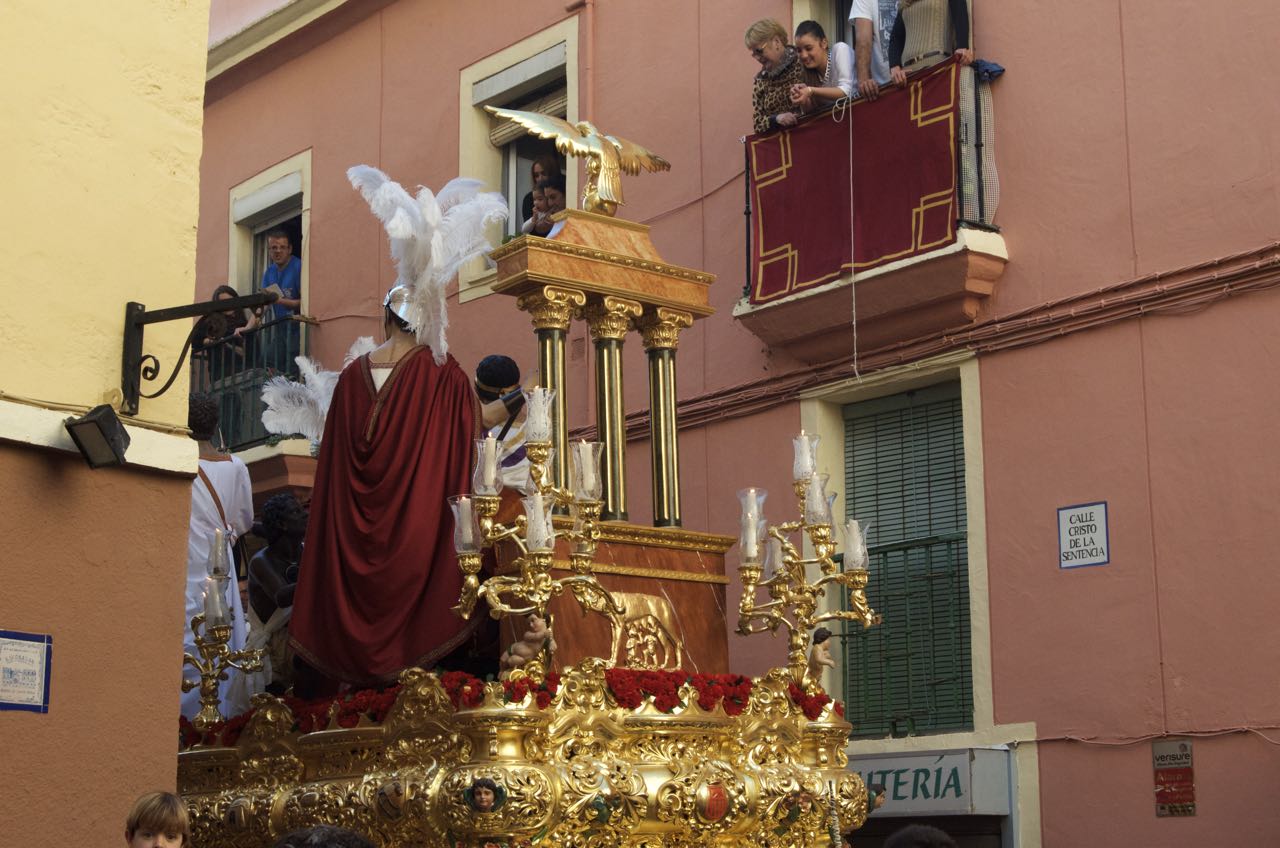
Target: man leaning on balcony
(869, 60)
(283, 275)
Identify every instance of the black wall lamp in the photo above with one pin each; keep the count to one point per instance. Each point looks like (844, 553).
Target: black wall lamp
(100, 436)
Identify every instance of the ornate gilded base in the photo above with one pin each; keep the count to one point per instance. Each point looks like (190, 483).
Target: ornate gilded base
(583, 771)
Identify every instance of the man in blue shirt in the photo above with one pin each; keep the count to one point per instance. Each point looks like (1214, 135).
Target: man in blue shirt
(285, 274)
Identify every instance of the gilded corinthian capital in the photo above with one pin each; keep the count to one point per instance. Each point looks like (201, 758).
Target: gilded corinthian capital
(611, 317)
(661, 328)
(551, 308)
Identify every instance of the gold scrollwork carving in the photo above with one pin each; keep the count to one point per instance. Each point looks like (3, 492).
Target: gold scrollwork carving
(604, 801)
(660, 328)
(610, 317)
(552, 307)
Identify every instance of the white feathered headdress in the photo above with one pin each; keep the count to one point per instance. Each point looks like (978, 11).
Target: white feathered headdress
(431, 236)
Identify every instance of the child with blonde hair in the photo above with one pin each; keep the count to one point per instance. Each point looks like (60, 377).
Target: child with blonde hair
(158, 820)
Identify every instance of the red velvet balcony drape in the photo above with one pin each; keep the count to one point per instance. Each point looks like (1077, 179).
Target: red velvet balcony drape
(890, 164)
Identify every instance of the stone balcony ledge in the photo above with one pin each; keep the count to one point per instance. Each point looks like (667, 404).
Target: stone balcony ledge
(919, 296)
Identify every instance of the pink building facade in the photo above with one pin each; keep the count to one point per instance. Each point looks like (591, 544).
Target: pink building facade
(1119, 359)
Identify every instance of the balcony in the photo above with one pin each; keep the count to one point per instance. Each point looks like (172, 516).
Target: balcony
(234, 368)
(878, 212)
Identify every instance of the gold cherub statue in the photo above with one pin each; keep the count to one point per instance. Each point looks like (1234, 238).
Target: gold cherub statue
(607, 156)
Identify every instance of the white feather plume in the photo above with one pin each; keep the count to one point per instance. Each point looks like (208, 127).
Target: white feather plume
(431, 237)
(361, 346)
(300, 408)
(291, 409)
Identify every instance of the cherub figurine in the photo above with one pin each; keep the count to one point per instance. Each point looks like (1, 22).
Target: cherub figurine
(537, 637)
(484, 795)
(820, 655)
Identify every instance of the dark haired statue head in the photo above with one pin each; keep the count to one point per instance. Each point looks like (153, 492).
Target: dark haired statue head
(495, 376)
(202, 416)
(484, 795)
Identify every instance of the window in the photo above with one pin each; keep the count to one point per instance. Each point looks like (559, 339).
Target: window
(904, 474)
(291, 223)
(520, 150)
(538, 73)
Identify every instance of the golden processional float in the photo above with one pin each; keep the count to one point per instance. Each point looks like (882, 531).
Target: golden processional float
(624, 729)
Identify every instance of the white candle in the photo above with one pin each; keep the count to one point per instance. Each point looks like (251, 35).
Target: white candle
(489, 463)
(802, 466)
(466, 534)
(751, 525)
(215, 603)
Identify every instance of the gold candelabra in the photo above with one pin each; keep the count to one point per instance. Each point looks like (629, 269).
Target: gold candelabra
(784, 572)
(216, 658)
(212, 631)
(530, 590)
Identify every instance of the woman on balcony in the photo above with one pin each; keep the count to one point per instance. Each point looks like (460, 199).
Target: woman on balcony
(828, 72)
(780, 70)
(926, 33)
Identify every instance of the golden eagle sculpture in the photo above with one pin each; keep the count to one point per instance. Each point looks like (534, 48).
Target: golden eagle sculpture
(608, 157)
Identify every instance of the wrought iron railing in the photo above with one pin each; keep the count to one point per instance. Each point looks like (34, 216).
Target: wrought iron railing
(234, 368)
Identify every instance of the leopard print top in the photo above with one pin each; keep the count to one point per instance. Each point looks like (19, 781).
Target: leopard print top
(771, 94)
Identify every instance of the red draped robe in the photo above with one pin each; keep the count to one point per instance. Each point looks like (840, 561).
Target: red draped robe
(379, 574)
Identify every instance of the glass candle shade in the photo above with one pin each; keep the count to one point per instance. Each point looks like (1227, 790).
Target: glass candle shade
(753, 524)
(855, 545)
(219, 564)
(806, 456)
(817, 505)
(537, 427)
(216, 612)
(466, 525)
(539, 535)
(773, 557)
(487, 479)
(585, 475)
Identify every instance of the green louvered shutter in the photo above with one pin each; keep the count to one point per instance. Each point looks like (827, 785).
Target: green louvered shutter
(904, 473)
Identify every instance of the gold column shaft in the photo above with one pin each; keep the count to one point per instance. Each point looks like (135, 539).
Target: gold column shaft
(551, 309)
(551, 363)
(611, 425)
(661, 331)
(610, 318)
(665, 451)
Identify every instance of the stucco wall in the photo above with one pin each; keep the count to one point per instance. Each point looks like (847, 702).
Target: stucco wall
(1168, 420)
(1119, 154)
(101, 109)
(102, 144)
(96, 559)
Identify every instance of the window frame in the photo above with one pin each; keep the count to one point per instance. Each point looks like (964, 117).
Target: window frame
(477, 157)
(916, 667)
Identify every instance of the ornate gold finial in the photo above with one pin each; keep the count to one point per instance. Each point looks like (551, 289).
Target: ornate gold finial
(608, 157)
(661, 328)
(551, 308)
(611, 317)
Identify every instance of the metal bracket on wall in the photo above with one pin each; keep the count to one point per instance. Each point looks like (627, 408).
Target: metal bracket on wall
(135, 366)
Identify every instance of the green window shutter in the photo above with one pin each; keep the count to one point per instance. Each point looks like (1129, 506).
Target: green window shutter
(904, 474)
